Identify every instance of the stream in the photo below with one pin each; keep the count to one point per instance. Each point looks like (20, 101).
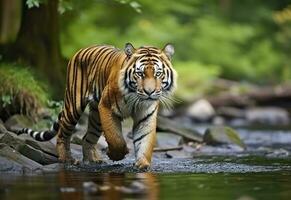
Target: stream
(263, 171)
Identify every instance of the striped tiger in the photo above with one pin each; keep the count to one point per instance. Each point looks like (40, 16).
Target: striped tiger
(116, 84)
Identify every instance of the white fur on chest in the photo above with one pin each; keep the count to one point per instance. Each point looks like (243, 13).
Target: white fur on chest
(128, 107)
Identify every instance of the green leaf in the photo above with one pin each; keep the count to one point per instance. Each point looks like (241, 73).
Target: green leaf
(234, 137)
(33, 3)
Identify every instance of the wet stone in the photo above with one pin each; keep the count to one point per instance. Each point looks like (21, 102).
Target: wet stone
(222, 135)
(13, 161)
(37, 155)
(47, 147)
(186, 131)
(13, 140)
(269, 115)
(56, 167)
(168, 140)
(278, 153)
(178, 154)
(2, 127)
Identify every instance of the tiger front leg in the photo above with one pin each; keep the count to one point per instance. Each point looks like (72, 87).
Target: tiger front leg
(111, 126)
(144, 138)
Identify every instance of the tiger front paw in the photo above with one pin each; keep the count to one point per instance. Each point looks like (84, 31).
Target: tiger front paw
(142, 163)
(117, 153)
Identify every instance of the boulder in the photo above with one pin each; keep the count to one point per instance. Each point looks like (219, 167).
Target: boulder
(267, 115)
(201, 111)
(222, 135)
(13, 162)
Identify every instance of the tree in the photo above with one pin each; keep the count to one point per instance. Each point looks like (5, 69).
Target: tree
(37, 41)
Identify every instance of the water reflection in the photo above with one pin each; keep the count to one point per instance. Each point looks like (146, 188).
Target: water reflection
(82, 185)
(108, 186)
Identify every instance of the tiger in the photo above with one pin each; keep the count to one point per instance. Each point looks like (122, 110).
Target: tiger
(115, 84)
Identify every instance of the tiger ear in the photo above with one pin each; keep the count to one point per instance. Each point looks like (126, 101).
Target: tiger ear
(169, 50)
(129, 49)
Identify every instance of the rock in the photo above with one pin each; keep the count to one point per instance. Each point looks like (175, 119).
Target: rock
(56, 167)
(18, 122)
(278, 153)
(187, 132)
(267, 115)
(47, 147)
(178, 154)
(2, 127)
(201, 111)
(42, 152)
(231, 112)
(37, 155)
(167, 140)
(222, 135)
(218, 120)
(12, 140)
(223, 150)
(76, 151)
(12, 161)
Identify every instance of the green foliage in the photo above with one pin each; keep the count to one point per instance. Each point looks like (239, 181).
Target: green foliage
(194, 79)
(247, 40)
(20, 92)
(234, 137)
(15, 78)
(33, 3)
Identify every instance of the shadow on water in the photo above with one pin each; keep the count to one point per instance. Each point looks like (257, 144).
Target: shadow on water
(80, 185)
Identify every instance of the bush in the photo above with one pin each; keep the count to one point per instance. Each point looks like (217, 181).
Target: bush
(20, 93)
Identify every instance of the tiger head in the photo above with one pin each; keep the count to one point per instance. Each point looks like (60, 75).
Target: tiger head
(148, 72)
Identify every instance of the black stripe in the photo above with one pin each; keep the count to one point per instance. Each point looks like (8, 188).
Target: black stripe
(94, 124)
(56, 126)
(145, 118)
(140, 137)
(88, 141)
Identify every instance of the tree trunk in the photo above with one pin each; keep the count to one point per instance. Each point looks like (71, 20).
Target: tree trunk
(38, 44)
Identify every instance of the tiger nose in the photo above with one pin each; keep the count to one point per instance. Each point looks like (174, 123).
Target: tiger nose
(149, 91)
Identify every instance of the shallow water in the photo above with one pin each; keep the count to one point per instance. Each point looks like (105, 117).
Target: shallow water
(69, 185)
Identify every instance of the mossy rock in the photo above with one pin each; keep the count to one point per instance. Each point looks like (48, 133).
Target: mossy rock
(222, 135)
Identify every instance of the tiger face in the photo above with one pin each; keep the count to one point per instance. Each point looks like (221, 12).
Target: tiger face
(148, 73)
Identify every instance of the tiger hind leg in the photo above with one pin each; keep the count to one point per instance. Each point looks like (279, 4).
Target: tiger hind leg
(94, 131)
(68, 122)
